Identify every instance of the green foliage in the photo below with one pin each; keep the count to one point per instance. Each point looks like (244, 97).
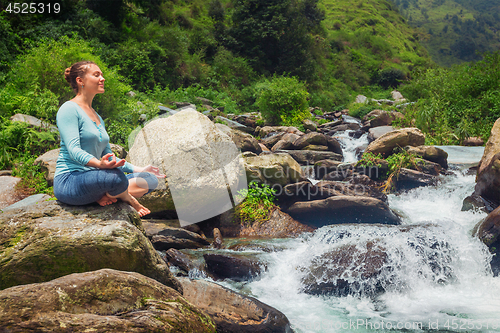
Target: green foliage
(32, 178)
(397, 161)
(458, 102)
(258, 203)
(370, 160)
(283, 101)
(391, 77)
(359, 110)
(40, 72)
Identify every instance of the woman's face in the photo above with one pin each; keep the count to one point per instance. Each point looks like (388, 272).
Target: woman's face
(93, 81)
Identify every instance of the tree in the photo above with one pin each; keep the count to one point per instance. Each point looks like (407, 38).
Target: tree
(275, 34)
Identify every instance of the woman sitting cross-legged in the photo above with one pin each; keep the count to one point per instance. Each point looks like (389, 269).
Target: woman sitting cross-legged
(87, 171)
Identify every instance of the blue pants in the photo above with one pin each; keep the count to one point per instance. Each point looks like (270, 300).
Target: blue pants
(84, 187)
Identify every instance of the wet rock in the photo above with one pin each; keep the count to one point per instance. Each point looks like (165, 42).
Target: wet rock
(8, 192)
(272, 138)
(278, 168)
(430, 153)
(233, 312)
(218, 242)
(334, 145)
(342, 128)
(178, 259)
(348, 270)
(329, 125)
(234, 267)
(235, 125)
(106, 300)
(177, 238)
(243, 141)
(47, 163)
(489, 232)
(42, 242)
(310, 157)
(475, 201)
(343, 209)
(408, 179)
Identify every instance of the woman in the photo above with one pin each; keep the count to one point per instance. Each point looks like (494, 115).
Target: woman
(87, 171)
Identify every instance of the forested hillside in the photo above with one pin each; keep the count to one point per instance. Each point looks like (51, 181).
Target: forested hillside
(234, 52)
(456, 30)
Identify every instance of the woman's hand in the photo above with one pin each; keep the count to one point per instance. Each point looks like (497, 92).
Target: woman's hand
(151, 169)
(106, 163)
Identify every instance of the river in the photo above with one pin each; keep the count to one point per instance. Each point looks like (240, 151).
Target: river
(436, 276)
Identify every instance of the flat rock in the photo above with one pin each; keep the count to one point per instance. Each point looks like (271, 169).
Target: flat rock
(399, 138)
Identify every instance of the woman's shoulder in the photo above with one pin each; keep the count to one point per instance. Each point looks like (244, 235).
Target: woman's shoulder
(68, 108)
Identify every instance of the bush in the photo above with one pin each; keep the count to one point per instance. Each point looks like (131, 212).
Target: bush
(283, 101)
(391, 77)
(257, 205)
(41, 70)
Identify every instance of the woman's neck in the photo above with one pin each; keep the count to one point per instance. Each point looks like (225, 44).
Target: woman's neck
(83, 99)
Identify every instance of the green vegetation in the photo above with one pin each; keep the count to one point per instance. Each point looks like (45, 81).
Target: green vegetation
(283, 101)
(370, 160)
(454, 31)
(277, 57)
(257, 205)
(456, 103)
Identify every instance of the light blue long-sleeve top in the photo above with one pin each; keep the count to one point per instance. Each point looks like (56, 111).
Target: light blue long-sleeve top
(81, 140)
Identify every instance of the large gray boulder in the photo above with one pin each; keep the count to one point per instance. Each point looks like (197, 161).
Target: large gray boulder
(398, 138)
(381, 118)
(34, 121)
(42, 242)
(200, 162)
(106, 300)
(233, 312)
(430, 153)
(342, 209)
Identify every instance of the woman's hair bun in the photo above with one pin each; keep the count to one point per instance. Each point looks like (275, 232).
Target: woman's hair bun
(66, 74)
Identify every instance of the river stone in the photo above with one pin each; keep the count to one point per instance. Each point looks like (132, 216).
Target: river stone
(199, 160)
(310, 125)
(285, 142)
(273, 169)
(408, 179)
(376, 132)
(342, 209)
(279, 225)
(177, 238)
(106, 300)
(234, 125)
(316, 148)
(28, 201)
(235, 267)
(329, 125)
(324, 167)
(310, 157)
(473, 141)
(381, 118)
(42, 242)
(47, 163)
(266, 130)
(430, 153)
(348, 270)
(488, 173)
(488, 232)
(313, 138)
(398, 138)
(343, 128)
(179, 259)
(8, 192)
(243, 141)
(271, 139)
(233, 312)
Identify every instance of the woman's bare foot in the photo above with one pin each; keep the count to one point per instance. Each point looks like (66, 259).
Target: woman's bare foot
(105, 200)
(138, 207)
